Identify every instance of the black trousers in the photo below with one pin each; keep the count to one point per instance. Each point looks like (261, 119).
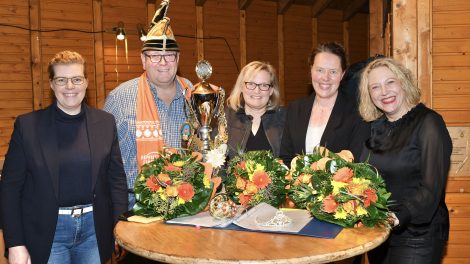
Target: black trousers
(406, 250)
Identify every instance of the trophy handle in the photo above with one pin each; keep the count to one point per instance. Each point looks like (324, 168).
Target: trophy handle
(220, 101)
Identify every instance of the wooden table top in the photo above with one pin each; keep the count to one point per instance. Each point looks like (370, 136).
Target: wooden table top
(188, 244)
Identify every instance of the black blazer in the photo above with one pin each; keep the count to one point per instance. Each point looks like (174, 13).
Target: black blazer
(345, 128)
(29, 187)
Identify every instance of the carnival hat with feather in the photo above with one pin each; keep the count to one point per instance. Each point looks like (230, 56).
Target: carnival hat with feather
(160, 36)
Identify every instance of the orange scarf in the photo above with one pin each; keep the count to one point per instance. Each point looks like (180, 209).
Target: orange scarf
(148, 131)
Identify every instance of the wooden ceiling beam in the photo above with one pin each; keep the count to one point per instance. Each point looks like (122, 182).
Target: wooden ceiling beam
(319, 6)
(283, 6)
(200, 2)
(353, 8)
(244, 4)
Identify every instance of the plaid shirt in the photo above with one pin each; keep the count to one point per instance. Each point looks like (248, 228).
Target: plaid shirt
(121, 102)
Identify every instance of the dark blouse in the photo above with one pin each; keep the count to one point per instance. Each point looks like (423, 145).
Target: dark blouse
(74, 159)
(258, 141)
(413, 156)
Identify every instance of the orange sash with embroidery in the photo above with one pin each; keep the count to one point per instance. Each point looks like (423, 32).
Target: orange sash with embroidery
(148, 132)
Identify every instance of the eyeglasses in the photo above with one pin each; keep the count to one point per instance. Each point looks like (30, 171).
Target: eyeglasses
(62, 81)
(156, 58)
(261, 86)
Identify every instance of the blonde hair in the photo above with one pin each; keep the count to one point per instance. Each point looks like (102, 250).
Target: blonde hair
(235, 100)
(367, 108)
(66, 57)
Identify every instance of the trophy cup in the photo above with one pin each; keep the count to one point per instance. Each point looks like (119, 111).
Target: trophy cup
(206, 104)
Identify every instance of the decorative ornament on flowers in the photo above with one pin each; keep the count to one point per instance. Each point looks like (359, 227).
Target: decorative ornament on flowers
(336, 190)
(174, 184)
(256, 176)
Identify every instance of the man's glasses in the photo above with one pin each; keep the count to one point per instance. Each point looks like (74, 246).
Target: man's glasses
(62, 81)
(261, 86)
(156, 58)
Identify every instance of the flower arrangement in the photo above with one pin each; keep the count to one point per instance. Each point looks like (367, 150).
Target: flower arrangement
(174, 185)
(336, 190)
(254, 177)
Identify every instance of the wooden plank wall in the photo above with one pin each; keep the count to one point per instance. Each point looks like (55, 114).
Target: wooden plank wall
(451, 98)
(23, 64)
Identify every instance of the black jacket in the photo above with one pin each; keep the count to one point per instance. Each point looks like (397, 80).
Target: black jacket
(239, 128)
(345, 128)
(30, 180)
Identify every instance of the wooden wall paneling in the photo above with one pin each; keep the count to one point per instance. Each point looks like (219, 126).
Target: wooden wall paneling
(346, 39)
(242, 38)
(450, 5)
(314, 32)
(130, 13)
(405, 33)
(424, 61)
(281, 57)
(319, 6)
(99, 55)
(200, 32)
(330, 26)
(376, 37)
(76, 18)
(261, 32)
(183, 23)
(283, 6)
(222, 20)
(353, 8)
(36, 61)
(16, 85)
(297, 47)
(151, 8)
(358, 38)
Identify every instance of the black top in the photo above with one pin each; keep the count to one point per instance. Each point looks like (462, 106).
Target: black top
(258, 141)
(74, 159)
(413, 156)
(345, 128)
(239, 130)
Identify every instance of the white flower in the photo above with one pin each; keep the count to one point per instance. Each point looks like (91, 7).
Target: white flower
(216, 157)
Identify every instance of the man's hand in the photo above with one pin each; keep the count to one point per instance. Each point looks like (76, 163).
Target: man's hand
(19, 255)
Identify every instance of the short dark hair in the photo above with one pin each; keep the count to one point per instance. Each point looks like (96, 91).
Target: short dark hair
(331, 47)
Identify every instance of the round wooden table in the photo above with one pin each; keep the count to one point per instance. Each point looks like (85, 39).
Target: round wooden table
(188, 244)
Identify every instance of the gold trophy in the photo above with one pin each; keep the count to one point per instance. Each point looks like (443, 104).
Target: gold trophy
(206, 111)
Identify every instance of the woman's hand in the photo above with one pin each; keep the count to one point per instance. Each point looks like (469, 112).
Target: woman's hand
(19, 255)
(393, 220)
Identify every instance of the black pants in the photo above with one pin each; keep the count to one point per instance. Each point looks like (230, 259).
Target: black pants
(420, 250)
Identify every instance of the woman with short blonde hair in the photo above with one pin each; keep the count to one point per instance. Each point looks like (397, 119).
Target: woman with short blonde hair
(254, 118)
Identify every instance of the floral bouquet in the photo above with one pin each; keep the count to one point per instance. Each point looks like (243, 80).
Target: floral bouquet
(336, 190)
(174, 185)
(256, 176)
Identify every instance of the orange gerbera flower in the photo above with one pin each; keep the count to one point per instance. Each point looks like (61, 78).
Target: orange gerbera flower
(241, 183)
(251, 188)
(244, 199)
(329, 204)
(371, 196)
(261, 179)
(305, 178)
(171, 167)
(186, 191)
(152, 183)
(165, 178)
(344, 174)
(171, 191)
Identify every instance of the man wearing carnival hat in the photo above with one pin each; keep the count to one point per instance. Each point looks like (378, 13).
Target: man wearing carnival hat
(150, 110)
